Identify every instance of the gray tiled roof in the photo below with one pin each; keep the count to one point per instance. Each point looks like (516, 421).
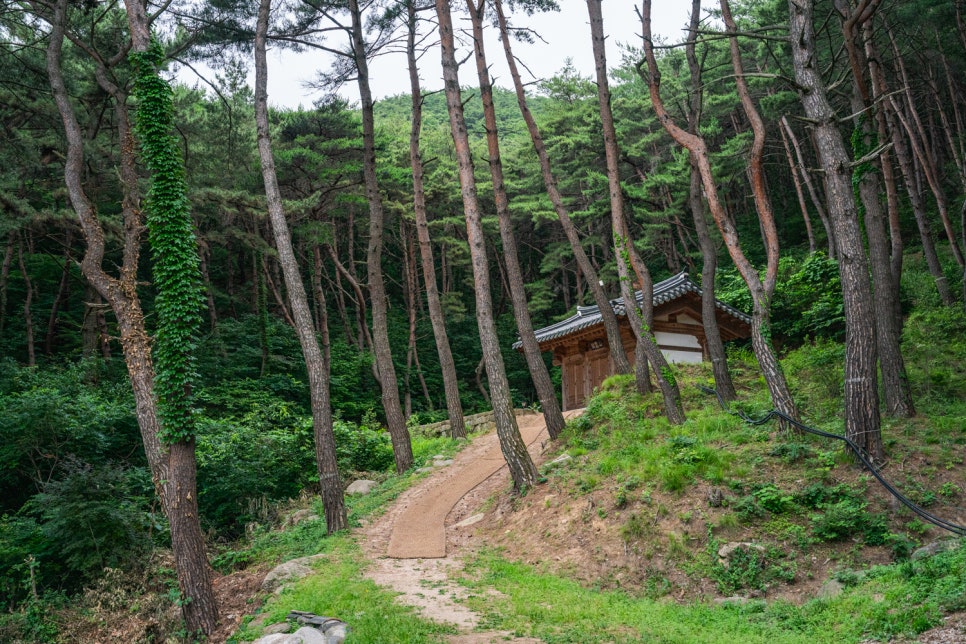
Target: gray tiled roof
(664, 291)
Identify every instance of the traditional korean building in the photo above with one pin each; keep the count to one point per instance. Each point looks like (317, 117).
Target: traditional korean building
(579, 343)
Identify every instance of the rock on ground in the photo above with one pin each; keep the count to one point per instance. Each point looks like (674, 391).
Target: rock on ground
(288, 572)
(362, 486)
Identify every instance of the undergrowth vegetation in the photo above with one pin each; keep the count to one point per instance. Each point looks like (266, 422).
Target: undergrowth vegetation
(715, 507)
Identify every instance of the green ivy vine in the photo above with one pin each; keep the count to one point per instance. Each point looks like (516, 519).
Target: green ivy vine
(174, 251)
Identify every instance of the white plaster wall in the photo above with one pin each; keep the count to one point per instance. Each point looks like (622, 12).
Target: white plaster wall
(677, 339)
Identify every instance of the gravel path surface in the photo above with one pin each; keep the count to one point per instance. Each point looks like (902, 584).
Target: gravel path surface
(417, 543)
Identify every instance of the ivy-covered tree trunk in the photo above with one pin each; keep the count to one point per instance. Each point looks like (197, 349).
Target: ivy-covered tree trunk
(395, 422)
(522, 470)
(862, 421)
(611, 327)
(518, 296)
(315, 362)
(178, 303)
(167, 463)
(454, 408)
(642, 332)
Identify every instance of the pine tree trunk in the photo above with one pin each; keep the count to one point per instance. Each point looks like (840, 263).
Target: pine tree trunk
(61, 299)
(622, 242)
(396, 424)
(316, 365)
(908, 171)
(200, 614)
(918, 140)
(531, 349)
(28, 316)
(799, 193)
(454, 408)
(611, 326)
(709, 254)
(187, 540)
(5, 279)
(522, 470)
(862, 422)
(761, 291)
(209, 289)
(895, 383)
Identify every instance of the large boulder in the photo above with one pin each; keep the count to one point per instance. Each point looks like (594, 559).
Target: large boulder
(288, 572)
(362, 486)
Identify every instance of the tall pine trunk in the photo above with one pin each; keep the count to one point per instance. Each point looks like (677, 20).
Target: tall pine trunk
(522, 470)
(611, 326)
(862, 421)
(621, 232)
(315, 363)
(709, 254)
(761, 290)
(395, 421)
(454, 408)
(531, 349)
(885, 295)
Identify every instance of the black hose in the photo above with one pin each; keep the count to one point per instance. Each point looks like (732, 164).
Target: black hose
(859, 453)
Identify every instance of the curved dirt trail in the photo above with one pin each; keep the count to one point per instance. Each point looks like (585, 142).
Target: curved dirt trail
(418, 542)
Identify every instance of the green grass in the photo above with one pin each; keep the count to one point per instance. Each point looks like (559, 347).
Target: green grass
(902, 599)
(338, 589)
(309, 537)
(622, 435)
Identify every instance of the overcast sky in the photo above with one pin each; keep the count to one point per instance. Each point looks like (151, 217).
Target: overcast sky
(567, 35)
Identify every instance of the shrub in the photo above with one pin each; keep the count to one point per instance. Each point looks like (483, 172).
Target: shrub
(263, 452)
(840, 520)
(93, 518)
(773, 499)
(365, 447)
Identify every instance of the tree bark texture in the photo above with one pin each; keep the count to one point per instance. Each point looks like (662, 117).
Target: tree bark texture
(454, 408)
(315, 363)
(885, 294)
(395, 421)
(531, 349)
(4, 278)
(28, 316)
(522, 470)
(862, 421)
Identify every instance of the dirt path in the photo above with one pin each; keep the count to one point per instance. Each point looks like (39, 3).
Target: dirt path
(421, 539)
